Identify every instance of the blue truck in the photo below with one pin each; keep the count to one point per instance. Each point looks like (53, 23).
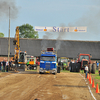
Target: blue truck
(48, 61)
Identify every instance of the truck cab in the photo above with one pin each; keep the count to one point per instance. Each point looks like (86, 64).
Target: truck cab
(48, 61)
(31, 62)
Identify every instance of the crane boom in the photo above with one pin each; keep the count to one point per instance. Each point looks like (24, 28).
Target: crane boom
(17, 46)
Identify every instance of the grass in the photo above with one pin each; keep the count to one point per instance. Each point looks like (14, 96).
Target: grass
(82, 71)
(96, 73)
(65, 71)
(97, 77)
(32, 70)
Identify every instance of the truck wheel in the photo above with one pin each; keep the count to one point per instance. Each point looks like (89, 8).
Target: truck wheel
(58, 69)
(40, 73)
(79, 67)
(55, 73)
(70, 68)
(73, 67)
(93, 68)
(90, 68)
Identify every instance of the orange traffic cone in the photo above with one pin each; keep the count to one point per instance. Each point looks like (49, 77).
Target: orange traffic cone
(90, 80)
(93, 85)
(97, 89)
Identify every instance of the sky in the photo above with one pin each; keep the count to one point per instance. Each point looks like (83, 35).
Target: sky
(67, 13)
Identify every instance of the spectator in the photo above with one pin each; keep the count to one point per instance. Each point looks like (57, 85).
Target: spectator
(7, 64)
(0, 65)
(4, 65)
(97, 65)
(10, 64)
(86, 70)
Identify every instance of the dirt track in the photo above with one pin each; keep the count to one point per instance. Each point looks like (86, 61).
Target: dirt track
(63, 86)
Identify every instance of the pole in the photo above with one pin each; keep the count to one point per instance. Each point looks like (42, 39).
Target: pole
(9, 37)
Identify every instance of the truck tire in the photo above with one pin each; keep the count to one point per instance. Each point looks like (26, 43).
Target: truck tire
(70, 67)
(40, 73)
(55, 73)
(90, 68)
(77, 67)
(74, 67)
(93, 68)
(58, 69)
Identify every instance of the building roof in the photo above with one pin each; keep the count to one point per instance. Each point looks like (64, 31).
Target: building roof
(65, 48)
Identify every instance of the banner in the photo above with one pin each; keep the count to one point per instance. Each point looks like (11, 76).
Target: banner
(60, 29)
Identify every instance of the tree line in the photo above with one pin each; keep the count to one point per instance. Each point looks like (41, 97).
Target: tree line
(25, 31)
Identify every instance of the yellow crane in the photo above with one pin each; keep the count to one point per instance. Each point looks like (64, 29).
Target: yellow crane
(17, 46)
(20, 57)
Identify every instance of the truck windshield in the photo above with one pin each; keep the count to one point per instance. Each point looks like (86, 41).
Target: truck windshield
(48, 58)
(29, 59)
(63, 60)
(84, 57)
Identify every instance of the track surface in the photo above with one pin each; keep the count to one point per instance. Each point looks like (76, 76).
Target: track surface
(29, 86)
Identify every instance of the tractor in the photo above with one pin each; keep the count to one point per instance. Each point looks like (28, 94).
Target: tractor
(83, 59)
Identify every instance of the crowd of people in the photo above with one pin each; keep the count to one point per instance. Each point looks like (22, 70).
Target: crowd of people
(5, 65)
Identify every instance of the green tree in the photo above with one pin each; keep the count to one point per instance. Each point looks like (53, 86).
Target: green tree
(1, 35)
(27, 31)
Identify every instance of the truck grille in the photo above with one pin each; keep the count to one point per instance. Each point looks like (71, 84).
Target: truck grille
(47, 66)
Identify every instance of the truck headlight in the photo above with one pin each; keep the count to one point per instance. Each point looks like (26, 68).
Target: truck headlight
(54, 62)
(41, 68)
(41, 61)
(54, 68)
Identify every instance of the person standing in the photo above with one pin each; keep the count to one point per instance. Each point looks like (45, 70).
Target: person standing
(97, 65)
(10, 64)
(86, 70)
(7, 64)
(4, 65)
(0, 65)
